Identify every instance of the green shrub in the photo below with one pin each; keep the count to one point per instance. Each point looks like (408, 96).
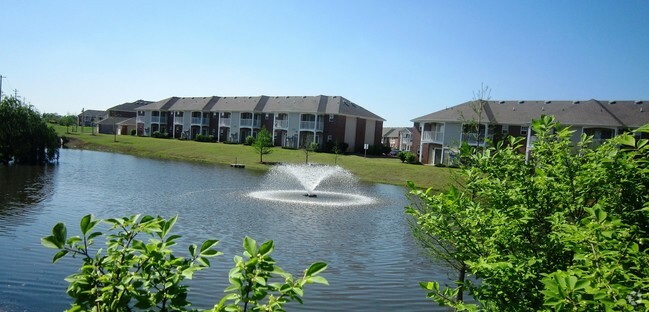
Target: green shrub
(204, 138)
(249, 140)
(410, 158)
(564, 229)
(160, 135)
(336, 147)
(139, 271)
(407, 157)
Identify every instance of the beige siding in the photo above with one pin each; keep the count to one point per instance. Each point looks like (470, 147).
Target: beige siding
(370, 126)
(350, 131)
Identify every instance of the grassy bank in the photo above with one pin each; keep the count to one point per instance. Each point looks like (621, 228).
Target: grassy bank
(371, 169)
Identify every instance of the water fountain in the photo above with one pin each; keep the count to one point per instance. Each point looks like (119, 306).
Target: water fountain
(297, 184)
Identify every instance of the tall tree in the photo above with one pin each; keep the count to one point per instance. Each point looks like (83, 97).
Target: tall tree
(25, 138)
(263, 144)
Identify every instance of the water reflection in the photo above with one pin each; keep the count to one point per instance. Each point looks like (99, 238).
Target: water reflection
(21, 189)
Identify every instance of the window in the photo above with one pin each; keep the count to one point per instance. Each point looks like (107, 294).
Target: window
(331, 117)
(524, 130)
(330, 138)
(505, 129)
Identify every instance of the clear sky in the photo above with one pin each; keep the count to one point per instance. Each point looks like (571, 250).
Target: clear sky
(399, 59)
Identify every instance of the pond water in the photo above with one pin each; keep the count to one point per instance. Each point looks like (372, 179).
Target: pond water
(374, 262)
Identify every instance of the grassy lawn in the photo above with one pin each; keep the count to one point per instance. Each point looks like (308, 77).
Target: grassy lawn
(372, 169)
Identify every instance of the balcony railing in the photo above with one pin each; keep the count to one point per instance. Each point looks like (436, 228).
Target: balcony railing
(178, 120)
(155, 119)
(281, 124)
(200, 121)
(245, 123)
(432, 136)
(311, 125)
(139, 119)
(225, 122)
(250, 123)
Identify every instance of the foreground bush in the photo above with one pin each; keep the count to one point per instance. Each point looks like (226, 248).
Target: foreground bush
(133, 274)
(566, 229)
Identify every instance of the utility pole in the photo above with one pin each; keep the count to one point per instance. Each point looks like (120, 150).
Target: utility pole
(1, 77)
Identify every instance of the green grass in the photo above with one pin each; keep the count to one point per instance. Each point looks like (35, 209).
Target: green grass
(371, 169)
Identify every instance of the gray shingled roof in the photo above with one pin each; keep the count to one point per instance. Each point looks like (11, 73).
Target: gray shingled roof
(238, 104)
(159, 105)
(130, 106)
(93, 112)
(586, 113)
(190, 103)
(320, 104)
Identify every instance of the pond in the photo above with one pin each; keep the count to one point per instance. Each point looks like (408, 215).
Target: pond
(374, 262)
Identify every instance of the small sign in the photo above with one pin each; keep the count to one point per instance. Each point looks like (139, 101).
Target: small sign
(366, 146)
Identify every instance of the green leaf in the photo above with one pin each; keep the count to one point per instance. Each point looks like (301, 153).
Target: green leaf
(266, 248)
(87, 223)
(318, 280)
(581, 284)
(203, 261)
(172, 238)
(208, 244)
(316, 268)
(600, 215)
(60, 233)
(192, 250)
(211, 253)
(260, 280)
(626, 139)
(51, 242)
(250, 246)
(571, 282)
(168, 226)
(93, 235)
(59, 255)
(73, 240)
(644, 128)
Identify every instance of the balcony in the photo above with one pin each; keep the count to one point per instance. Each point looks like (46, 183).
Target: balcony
(225, 122)
(178, 120)
(432, 136)
(311, 125)
(281, 124)
(200, 121)
(249, 123)
(139, 119)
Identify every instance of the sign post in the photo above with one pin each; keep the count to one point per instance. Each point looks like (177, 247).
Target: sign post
(366, 147)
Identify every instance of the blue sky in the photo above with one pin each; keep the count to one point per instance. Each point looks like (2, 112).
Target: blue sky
(399, 59)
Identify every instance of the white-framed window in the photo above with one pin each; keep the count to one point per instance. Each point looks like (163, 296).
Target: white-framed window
(505, 129)
(330, 138)
(331, 117)
(524, 130)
